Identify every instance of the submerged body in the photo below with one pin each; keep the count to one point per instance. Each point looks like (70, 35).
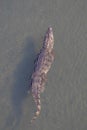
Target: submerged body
(42, 66)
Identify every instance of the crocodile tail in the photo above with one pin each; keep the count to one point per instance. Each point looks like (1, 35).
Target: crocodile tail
(38, 103)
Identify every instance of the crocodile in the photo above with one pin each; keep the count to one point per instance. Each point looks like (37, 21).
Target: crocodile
(41, 67)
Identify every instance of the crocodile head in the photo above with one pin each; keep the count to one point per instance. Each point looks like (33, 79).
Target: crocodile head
(49, 40)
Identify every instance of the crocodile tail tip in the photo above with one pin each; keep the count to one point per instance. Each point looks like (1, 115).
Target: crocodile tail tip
(37, 113)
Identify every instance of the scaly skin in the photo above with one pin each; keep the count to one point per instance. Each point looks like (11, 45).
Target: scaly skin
(42, 66)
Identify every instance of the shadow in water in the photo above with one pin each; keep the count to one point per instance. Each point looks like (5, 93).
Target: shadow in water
(21, 85)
